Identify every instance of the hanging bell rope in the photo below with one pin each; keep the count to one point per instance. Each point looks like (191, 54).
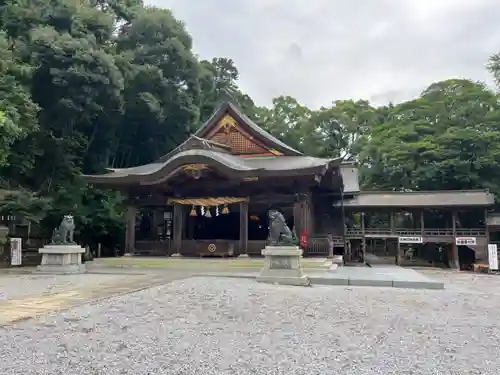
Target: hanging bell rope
(216, 210)
(193, 211)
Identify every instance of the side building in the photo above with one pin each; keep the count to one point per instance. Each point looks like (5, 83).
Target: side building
(210, 196)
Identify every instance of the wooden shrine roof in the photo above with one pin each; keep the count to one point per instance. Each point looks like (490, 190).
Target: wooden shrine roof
(427, 199)
(232, 145)
(225, 163)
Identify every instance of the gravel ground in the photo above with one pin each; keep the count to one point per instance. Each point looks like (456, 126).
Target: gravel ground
(221, 326)
(21, 285)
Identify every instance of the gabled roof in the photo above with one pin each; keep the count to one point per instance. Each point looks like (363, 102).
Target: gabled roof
(427, 199)
(254, 129)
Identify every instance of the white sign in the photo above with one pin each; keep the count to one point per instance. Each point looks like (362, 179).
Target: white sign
(411, 240)
(16, 251)
(465, 241)
(493, 257)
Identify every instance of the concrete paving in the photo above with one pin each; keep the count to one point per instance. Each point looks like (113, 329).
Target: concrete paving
(376, 276)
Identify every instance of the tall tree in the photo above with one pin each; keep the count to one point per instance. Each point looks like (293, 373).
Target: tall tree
(18, 113)
(286, 120)
(449, 138)
(337, 130)
(219, 79)
(162, 90)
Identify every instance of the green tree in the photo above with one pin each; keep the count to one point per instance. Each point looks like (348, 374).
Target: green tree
(446, 139)
(336, 131)
(286, 120)
(18, 113)
(162, 87)
(219, 79)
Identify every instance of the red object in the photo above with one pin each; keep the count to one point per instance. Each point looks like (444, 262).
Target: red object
(304, 239)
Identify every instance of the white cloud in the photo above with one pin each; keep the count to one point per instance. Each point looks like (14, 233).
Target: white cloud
(322, 50)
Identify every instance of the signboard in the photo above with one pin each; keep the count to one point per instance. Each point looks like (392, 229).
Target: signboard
(465, 241)
(16, 252)
(411, 239)
(493, 257)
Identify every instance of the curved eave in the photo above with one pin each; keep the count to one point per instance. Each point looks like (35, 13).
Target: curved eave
(227, 165)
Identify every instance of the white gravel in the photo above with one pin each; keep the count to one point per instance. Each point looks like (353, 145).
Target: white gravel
(222, 326)
(21, 285)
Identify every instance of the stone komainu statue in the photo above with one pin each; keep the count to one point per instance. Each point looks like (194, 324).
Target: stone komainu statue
(279, 233)
(64, 234)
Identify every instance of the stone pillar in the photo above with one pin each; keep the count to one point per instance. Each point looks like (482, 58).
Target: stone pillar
(130, 230)
(243, 230)
(454, 261)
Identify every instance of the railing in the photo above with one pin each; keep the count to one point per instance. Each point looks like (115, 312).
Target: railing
(427, 232)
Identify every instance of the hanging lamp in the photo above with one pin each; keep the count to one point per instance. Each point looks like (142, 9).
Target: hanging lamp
(225, 210)
(193, 211)
(208, 214)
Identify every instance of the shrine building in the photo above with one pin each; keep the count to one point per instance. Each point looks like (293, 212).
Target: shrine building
(210, 196)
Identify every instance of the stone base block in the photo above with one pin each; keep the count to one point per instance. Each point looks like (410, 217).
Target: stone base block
(282, 266)
(61, 259)
(338, 259)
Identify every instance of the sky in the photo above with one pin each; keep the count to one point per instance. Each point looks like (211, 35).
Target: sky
(319, 51)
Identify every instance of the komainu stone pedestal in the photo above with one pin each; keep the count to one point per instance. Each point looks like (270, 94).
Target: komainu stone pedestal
(61, 259)
(282, 266)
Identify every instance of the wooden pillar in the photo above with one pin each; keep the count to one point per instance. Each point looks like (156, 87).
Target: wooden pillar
(487, 233)
(178, 228)
(298, 220)
(422, 222)
(392, 222)
(454, 261)
(157, 222)
(399, 255)
(363, 239)
(130, 229)
(243, 229)
(302, 215)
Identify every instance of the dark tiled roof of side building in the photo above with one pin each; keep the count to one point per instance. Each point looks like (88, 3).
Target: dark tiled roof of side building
(438, 198)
